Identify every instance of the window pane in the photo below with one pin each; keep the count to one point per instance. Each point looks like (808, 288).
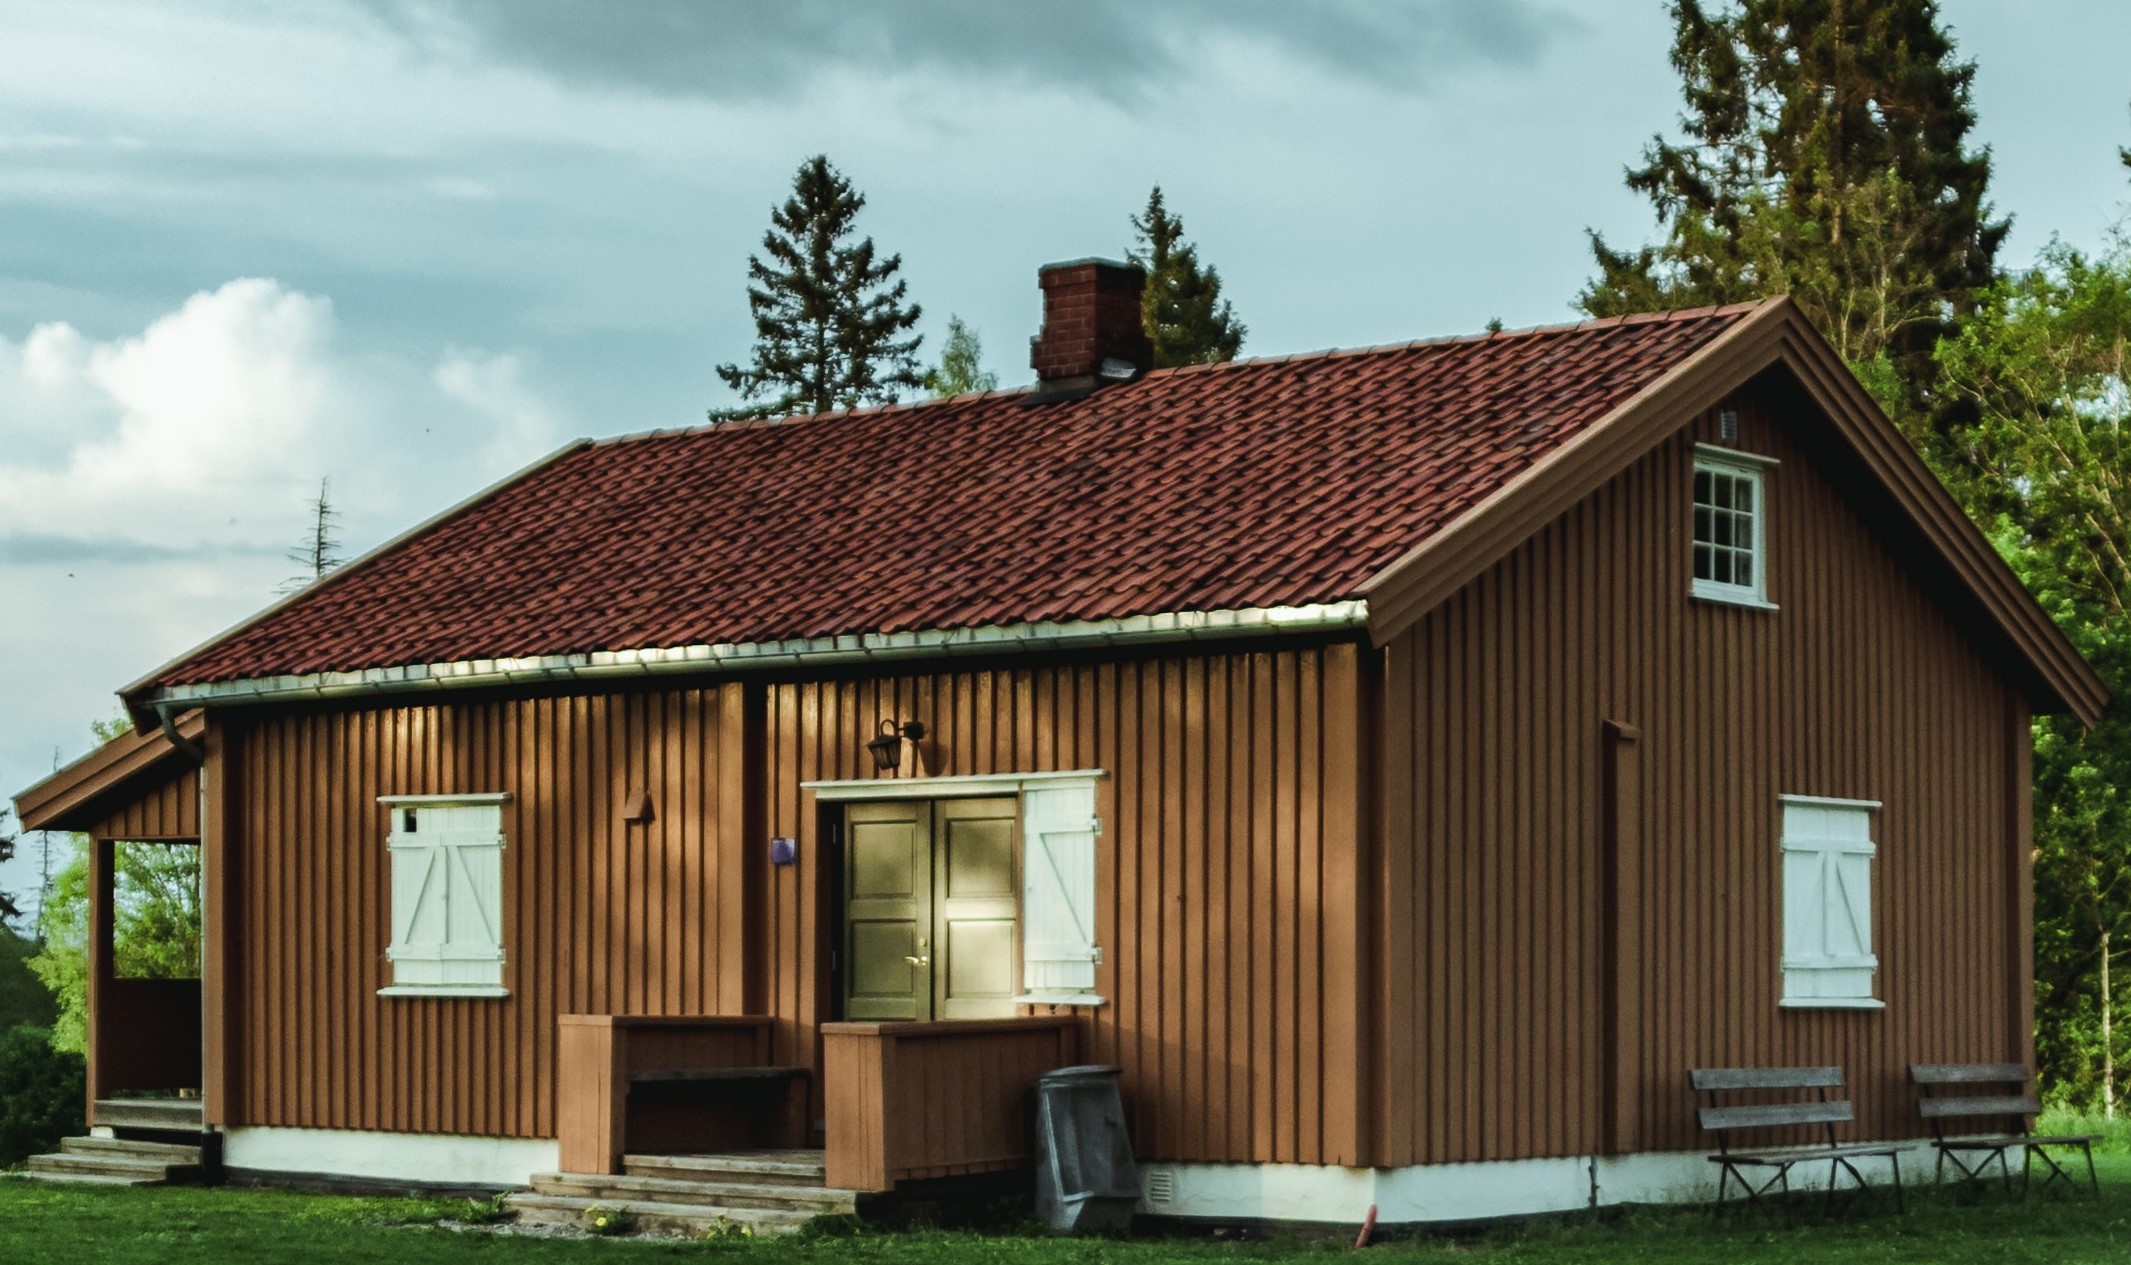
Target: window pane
(1743, 568)
(1701, 486)
(1703, 567)
(1722, 488)
(1720, 569)
(1701, 523)
(1743, 495)
(1720, 530)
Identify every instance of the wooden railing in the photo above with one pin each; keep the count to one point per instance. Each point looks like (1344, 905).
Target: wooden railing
(649, 1083)
(916, 1100)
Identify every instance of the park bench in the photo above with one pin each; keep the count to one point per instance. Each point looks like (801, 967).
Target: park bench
(1995, 1094)
(1821, 1112)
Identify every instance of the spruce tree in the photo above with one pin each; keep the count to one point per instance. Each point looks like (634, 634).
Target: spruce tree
(1186, 318)
(961, 368)
(830, 317)
(1825, 156)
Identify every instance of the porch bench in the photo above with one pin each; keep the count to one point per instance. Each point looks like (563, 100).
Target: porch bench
(658, 1083)
(1820, 1110)
(2004, 1099)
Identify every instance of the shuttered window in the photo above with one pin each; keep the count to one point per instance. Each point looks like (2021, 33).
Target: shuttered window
(1828, 852)
(447, 896)
(1058, 949)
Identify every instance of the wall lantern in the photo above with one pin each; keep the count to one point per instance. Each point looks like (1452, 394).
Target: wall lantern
(887, 747)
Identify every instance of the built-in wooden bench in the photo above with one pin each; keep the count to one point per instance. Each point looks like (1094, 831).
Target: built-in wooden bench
(645, 1084)
(1995, 1094)
(1821, 1113)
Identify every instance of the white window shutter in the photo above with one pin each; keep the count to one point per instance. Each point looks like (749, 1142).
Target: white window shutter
(447, 897)
(1058, 949)
(1827, 902)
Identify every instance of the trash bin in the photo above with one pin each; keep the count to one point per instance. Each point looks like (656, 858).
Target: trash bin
(1086, 1180)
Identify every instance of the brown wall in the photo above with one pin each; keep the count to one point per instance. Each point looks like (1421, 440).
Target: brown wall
(601, 916)
(1230, 920)
(1498, 883)
(170, 810)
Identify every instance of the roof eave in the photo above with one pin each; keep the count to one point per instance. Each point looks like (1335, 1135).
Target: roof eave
(1350, 616)
(66, 800)
(1776, 333)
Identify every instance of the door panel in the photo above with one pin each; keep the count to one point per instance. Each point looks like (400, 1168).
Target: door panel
(888, 911)
(977, 885)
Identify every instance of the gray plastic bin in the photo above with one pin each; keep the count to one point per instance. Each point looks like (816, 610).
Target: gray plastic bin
(1086, 1180)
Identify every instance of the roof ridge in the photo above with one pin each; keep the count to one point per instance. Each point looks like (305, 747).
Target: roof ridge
(1175, 371)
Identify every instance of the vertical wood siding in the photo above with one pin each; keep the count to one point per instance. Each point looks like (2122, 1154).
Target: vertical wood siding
(1499, 880)
(601, 915)
(1231, 927)
(168, 811)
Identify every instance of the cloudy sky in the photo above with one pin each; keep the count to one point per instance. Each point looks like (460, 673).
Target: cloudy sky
(411, 245)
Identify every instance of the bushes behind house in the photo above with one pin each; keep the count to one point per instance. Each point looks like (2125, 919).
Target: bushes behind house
(41, 1094)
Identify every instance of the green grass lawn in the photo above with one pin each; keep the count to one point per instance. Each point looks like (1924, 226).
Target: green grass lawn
(120, 1226)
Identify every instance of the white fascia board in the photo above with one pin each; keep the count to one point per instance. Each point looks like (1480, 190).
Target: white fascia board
(1180, 626)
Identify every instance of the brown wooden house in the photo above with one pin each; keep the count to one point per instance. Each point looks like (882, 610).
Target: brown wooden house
(1403, 763)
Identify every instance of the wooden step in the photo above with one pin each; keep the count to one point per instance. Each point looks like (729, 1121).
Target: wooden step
(84, 1179)
(653, 1217)
(817, 1200)
(761, 1168)
(136, 1148)
(186, 1115)
(139, 1171)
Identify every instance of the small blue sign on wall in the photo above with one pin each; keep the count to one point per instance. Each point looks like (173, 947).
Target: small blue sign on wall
(784, 850)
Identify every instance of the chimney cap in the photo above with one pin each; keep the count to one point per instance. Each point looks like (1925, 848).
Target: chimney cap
(1092, 260)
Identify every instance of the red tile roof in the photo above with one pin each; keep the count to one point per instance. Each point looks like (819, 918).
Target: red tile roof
(1264, 483)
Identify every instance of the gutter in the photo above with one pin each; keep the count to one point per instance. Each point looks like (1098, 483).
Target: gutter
(166, 714)
(604, 665)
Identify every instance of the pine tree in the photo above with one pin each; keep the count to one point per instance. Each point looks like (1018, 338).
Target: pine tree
(961, 368)
(1187, 319)
(830, 316)
(319, 550)
(1825, 156)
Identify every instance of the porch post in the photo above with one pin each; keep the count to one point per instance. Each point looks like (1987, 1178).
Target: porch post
(102, 969)
(220, 944)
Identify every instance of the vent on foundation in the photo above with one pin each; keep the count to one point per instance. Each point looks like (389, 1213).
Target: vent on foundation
(1161, 1186)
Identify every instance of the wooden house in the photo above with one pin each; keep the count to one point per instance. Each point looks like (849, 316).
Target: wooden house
(1403, 763)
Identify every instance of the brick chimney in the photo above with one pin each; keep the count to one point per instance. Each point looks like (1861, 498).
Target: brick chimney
(1091, 328)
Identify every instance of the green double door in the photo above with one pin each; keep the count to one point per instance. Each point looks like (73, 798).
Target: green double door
(931, 909)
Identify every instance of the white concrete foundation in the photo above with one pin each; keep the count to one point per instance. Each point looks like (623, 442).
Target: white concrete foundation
(410, 1157)
(1444, 1193)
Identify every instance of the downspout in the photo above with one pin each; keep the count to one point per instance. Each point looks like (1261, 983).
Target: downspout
(167, 714)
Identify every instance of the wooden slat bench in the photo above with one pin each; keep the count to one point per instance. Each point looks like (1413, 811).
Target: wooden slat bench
(1821, 1110)
(1997, 1093)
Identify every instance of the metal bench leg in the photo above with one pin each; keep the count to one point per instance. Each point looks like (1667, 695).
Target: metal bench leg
(1900, 1203)
(2093, 1182)
(2005, 1168)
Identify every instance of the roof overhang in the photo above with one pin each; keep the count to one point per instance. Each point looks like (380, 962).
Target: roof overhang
(75, 797)
(609, 665)
(2056, 677)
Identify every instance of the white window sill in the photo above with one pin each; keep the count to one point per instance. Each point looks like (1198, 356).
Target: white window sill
(442, 990)
(1728, 597)
(1059, 999)
(1832, 1003)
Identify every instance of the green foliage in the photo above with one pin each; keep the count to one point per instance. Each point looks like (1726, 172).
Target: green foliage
(156, 932)
(23, 997)
(961, 368)
(42, 1091)
(8, 910)
(830, 318)
(1826, 157)
(1187, 320)
(2045, 365)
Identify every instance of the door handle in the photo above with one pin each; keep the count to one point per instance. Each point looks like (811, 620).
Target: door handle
(923, 961)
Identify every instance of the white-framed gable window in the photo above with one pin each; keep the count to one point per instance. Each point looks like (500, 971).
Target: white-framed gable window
(447, 895)
(1058, 948)
(1828, 852)
(1730, 537)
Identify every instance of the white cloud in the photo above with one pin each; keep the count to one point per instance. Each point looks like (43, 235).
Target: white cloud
(151, 483)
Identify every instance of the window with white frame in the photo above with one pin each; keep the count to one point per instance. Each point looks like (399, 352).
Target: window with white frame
(1828, 852)
(1729, 561)
(447, 895)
